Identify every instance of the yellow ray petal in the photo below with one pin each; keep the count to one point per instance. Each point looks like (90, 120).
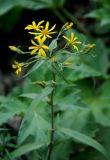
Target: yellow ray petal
(29, 27)
(40, 23)
(39, 54)
(47, 25)
(34, 51)
(43, 39)
(66, 38)
(72, 35)
(52, 28)
(33, 47)
(14, 66)
(16, 62)
(39, 40)
(75, 38)
(39, 36)
(17, 71)
(75, 47)
(33, 42)
(77, 42)
(49, 36)
(32, 32)
(42, 52)
(52, 32)
(34, 24)
(45, 47)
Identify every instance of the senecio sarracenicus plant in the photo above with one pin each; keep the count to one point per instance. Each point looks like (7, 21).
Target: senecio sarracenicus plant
(45, 48)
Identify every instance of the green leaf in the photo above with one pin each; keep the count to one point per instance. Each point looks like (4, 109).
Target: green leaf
(102, 16)
(62, 150)
(35, 67)
(66, 97)
(82, 71)
(59, 3)
(9, 19)
(36, 127)
(25, 149)
(86, 65)
(57, 70)
(6, 5)
(84, 139)
(53, 45)
(40, 97)
(10, 107)
(29, 95)
(99, 104)
(32, 120)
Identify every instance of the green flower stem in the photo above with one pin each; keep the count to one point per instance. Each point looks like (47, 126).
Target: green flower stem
(74, 20)
(52, 119)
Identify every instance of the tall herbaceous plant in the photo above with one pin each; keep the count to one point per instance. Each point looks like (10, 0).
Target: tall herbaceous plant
(56, 52)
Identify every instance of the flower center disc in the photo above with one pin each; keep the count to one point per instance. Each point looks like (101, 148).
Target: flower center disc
(71, 42)
(44, 31)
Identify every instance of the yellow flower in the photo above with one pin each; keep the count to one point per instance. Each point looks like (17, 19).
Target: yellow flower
(17, 66)
(45, 32)
(72, 41)
(40, 47)
(34, 26)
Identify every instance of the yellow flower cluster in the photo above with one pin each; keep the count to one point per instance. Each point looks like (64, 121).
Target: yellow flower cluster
(39, 46)
(41, 34)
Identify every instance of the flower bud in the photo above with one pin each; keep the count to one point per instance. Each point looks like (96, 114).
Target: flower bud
(15, 49)
(54, 59)
(89, 47)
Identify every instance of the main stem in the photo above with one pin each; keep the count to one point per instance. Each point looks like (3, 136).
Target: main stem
(52, 120)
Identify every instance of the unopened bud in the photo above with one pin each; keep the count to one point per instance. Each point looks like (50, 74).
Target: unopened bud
(67, 25)
(41, 83)
(54, 59)
(89, 47)
(15, 49)
(66, 63)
